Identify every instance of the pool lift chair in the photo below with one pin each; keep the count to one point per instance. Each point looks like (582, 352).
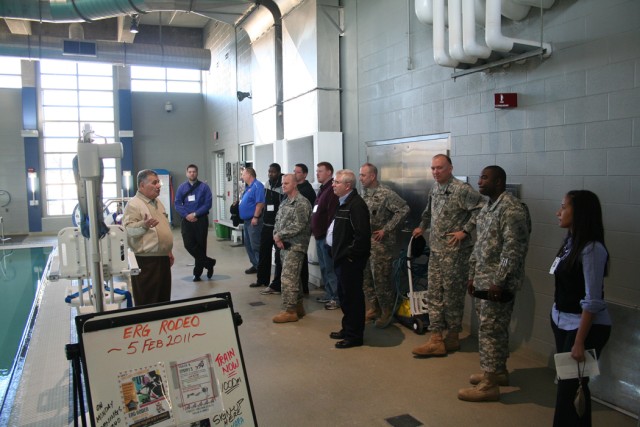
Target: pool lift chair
(93, 254)
(117, 261)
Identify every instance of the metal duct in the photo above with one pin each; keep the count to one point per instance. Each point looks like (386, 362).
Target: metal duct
(92, 10)
(110, 52)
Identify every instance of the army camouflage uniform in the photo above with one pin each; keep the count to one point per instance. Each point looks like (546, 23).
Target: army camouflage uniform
(294, 229)
(387, 210)
(451, 207)
(498, 258)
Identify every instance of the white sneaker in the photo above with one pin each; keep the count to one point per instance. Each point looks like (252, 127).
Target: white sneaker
(269, 291)
(332, 305)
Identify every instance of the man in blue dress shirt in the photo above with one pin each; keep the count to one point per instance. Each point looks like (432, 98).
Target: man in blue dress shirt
(193, 202)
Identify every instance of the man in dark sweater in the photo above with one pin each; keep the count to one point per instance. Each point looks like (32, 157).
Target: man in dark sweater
(321, 216)
(304, 187)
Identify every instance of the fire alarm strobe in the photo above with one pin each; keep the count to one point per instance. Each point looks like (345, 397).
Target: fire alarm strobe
(505, 100)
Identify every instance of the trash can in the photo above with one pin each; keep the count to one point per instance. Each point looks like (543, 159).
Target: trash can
(222, 232)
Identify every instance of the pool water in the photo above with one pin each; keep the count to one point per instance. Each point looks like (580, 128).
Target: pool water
(20, 273)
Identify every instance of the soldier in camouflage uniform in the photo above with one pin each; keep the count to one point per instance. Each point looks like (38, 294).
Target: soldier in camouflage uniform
(450, 216)
(496, 272)
(387, 210)
(291, 233)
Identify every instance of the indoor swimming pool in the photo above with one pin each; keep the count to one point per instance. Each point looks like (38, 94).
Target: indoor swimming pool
(20, 273)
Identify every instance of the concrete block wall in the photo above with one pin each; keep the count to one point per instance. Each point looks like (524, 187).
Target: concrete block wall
(577, 124)
(230, 71)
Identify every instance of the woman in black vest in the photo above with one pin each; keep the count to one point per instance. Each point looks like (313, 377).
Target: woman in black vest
(579, 317)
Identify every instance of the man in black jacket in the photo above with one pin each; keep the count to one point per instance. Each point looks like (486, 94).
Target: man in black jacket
(349, 236)
(273, 196)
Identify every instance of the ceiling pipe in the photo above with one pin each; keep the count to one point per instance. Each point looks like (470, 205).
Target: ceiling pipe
(470, 11)
(424, 11)
(455, 34)
(273, 8)
(497, 41)
(514, 11)
(92, 10)
(440, 54)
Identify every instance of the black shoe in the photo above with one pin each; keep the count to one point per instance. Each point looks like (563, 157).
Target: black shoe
(256, 285)
(348, 344)
(251, 270)
(210, 269)
(337, 335)
(196, 278)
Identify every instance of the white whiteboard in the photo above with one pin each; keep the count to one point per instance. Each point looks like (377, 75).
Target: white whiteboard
(173, 364)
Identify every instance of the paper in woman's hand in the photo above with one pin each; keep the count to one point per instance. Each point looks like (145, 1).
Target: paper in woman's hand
(567, 367)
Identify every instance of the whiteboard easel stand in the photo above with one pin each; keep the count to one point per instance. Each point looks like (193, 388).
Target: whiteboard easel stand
(76, 353)
(73, 355)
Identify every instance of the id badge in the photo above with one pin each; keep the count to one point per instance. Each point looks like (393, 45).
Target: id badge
(556, 261)
(270, 208)
(191, 198)
(315, 208)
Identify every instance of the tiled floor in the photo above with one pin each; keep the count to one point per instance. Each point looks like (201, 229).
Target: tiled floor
(298, 378)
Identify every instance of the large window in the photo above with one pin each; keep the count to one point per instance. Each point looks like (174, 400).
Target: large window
(154, 79)
(74, 94)
(10, 73)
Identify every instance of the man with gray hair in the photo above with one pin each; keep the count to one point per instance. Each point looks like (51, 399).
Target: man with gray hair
(149, 237)
(349, 236)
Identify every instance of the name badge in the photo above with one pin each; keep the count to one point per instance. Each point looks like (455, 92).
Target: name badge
(556, 261)
(315, 208)
(270, 208)
(191, 198)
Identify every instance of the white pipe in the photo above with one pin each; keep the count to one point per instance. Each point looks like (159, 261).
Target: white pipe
(514, 11)
(455, 33)
(493, 33)
(469, 43)
(424, 11)
(440, 54)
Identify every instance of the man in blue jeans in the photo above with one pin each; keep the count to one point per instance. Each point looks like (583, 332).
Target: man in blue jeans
(250, 208)
(321, 216)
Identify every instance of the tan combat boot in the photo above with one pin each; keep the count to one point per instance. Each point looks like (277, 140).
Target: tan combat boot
(451, 342)
(300, 310)
(487, 390)
(385, 319)
(286, 316)
(502, 378)
(373, 313)
(432, 348)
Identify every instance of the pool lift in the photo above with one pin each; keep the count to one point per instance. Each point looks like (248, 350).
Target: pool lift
(94, 253)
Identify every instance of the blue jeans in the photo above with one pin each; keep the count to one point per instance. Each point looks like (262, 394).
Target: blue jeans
(251, 240)
(326, 270)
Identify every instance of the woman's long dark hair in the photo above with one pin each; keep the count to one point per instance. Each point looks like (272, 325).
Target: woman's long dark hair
(587, 224)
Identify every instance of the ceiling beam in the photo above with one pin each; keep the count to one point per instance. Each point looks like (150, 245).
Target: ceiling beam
(124, 25)
(18, 26)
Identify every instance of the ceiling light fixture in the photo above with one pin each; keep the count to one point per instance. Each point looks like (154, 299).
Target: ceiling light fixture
(243, 95)
(134, 24)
